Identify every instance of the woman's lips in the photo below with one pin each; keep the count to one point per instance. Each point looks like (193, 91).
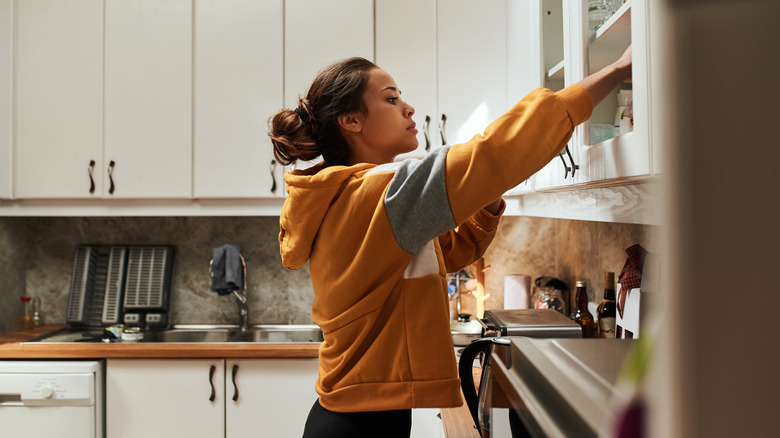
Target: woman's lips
(412, 128)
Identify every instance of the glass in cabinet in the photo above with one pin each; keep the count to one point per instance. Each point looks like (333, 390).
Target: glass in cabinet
(614, 144)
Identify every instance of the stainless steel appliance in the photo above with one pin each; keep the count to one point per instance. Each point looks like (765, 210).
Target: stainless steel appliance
(46, 398)
(556, 387)
(499, 327)
(535, 323)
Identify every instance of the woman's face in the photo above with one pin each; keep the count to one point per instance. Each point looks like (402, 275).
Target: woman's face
(387, 127)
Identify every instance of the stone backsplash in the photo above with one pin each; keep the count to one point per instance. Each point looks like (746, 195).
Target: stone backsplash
(36, 258)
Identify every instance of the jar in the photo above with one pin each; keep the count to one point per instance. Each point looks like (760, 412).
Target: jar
(25, 319)
(550, 298)
(132, 334)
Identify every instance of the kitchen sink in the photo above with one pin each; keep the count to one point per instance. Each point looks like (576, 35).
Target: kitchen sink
(190, 335)
(280, 334)
(200, 333)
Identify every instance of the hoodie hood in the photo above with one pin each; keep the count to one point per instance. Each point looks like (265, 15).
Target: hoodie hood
(310, 192)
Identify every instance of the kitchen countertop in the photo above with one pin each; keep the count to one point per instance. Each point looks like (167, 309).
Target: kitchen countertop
(457, 421)
(12, 346)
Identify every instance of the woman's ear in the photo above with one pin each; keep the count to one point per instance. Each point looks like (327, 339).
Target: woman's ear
(352, 122)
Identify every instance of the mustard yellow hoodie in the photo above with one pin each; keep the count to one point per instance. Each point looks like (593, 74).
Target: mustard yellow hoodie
(380, 240)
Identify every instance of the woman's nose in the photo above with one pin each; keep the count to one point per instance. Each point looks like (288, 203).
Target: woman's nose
(409, 110)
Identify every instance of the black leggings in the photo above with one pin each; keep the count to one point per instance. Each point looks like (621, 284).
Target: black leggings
(323, 423)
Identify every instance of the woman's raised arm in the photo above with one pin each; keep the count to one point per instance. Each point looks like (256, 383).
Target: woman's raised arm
(601, 83)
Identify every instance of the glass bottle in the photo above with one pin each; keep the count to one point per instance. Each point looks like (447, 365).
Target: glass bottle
(580, 313)
(36, 308)
(607, 311)
(25, 319)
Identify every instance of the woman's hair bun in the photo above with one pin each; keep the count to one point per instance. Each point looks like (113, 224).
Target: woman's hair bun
(292, 134)
(311, 129)
(305, 112)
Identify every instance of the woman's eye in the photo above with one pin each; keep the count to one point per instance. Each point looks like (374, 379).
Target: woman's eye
(393, 100)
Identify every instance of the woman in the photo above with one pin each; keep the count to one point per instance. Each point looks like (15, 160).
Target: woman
(380, 236)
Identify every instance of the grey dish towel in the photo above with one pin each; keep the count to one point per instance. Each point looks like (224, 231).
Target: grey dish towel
(227, 271)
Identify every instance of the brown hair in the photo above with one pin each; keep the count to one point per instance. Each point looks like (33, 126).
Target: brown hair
(312, 129)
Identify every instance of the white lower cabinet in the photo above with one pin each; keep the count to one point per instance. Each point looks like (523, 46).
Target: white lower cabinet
(208, 397)
(270, 397)
(166, 397)
(427, 423)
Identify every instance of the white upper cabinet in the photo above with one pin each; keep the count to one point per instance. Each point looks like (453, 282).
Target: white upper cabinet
(148, 98)
(578, 38)
(472, 68)
(317, 34)
(6, 98)
(406, 49)
(622, 153)
(239, 80)
(59, 99)
(549, 63)
(449, 58)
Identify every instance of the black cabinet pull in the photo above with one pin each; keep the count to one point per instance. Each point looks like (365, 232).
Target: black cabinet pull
(273, 176)
(211, 382)
(574, 166)
(111, 177)
(566, 168)
(235, 387)
(441, 129)
(425, 133)
(91, 180)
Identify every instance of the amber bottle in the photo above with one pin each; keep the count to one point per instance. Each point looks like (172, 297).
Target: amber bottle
(580, 313)
(607, 311)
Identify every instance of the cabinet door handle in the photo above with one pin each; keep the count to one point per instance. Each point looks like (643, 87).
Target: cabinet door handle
(441, 129)
(91, 180)
(566, 168)
(211, 382)
(235, 387)
(273, 176)
(111, 177)
(574, 166)
(425, 133)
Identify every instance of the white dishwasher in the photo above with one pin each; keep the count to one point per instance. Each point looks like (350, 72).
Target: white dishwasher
(61, 399)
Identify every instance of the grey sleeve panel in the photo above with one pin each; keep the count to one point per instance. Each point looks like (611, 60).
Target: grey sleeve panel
(416, 201)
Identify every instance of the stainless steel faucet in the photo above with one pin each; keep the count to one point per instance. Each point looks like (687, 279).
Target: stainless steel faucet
(243, 310)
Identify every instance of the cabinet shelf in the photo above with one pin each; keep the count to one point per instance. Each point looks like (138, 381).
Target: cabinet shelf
(620, 141)
(610, 39)
(556, 72)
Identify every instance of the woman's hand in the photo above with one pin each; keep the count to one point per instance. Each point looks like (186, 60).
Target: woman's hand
(623, 64)
(494, 207)
(601, 83)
